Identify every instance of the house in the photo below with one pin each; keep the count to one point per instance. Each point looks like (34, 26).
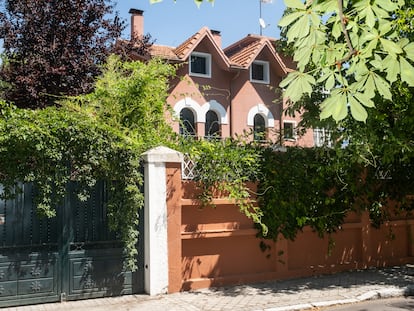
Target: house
(224, 92)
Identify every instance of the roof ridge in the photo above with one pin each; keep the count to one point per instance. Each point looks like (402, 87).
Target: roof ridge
(188, 44)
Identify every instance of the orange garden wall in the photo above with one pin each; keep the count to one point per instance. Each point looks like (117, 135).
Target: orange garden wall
(218, 246)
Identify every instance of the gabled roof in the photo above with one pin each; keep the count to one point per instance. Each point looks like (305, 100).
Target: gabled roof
(245, 51)
(239, 55)
(184, 50)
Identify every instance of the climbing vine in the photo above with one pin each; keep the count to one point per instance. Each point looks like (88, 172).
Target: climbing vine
(316, 187)
(225, 168)
(98, 136)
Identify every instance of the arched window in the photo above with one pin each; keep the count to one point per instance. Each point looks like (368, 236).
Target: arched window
(259, 127)
(187, 123)
(212, 125)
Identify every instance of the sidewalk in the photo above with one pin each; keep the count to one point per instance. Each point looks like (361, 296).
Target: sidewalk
(297, 294)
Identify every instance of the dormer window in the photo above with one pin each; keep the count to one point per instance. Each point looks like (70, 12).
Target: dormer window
(259, 72)
(200, 64)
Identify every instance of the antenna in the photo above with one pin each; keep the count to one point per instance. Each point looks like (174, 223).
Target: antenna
(262, 23)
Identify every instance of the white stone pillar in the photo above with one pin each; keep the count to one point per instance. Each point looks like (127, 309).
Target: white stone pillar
(155, 218)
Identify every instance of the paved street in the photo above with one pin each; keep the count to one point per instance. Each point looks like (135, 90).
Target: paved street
(392, 304)
(298, 294)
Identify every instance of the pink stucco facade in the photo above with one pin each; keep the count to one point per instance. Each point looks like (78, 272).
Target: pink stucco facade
(227, 87)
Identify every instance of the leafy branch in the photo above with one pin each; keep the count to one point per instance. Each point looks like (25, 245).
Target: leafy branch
(353, 48)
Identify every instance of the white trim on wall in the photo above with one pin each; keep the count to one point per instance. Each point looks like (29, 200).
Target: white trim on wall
(207, 57)
(190, 103)
(217, 108)
(262, 110)
(201, 110)
(294, 124)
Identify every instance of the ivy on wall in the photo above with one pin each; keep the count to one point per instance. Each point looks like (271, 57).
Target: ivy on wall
(223, 169)
(314, 187)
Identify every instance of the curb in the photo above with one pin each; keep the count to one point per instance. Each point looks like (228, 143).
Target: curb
(390, 292)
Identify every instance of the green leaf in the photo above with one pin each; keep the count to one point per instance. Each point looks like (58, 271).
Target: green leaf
(403, 42)
(299, 30)
(326, 6)
(297, 83)
(330, 82)
(289, 78)
(407, 71)
(341, 108)
(358, 112)
(364, 99)
(390, 47)
(369, 87)
(391, 67)
(367, 50)
(337, 30)
(385, 27)
(295, 4)
(387, 5)
(334, 106)
(289, 19)
(383, 87)
(409, 50)
(327, 108)
(370, 17)
(302, 57)
(316, 20)
(380, 13)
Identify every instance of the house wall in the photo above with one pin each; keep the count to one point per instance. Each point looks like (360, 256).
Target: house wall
(229, 85)
(248, 95)
(237, 94)
(203, 90)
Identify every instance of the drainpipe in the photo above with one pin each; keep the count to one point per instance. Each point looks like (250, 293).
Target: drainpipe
(231, 103)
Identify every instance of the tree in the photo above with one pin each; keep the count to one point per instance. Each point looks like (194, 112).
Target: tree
(384, 145)
(54, 48)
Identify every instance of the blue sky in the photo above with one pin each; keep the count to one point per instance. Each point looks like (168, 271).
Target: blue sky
(170, 23)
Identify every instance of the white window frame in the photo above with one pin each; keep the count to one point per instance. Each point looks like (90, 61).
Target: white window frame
(208, 65)
(294, 138)
(266, 72)
(322, 137)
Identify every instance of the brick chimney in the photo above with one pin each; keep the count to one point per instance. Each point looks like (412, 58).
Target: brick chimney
(217, 37)
(137, 23)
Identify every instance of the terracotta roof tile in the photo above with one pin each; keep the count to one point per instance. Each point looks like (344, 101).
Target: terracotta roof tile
(182, 50)
(166, 52)
(246, 54)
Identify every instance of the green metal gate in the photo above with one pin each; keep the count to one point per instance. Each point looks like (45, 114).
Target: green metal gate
(71, 256)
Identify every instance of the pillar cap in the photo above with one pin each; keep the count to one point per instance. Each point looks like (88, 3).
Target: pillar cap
(162, 154)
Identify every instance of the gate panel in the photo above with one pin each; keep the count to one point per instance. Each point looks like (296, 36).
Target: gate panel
(72, 256)
(95, 255)
(29, 258)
